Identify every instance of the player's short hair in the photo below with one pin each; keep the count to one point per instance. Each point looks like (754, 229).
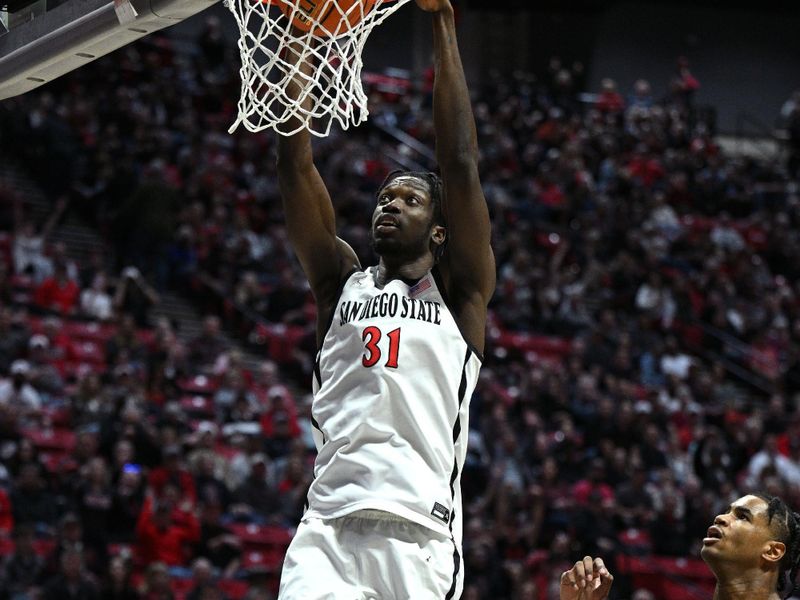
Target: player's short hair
(436, 192)
(785, 524)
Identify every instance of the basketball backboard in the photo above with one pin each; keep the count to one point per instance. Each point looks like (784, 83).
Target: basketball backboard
(41, 40)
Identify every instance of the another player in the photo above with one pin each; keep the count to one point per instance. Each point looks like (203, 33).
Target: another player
(400, 350)
(588, 579)
(753, 548)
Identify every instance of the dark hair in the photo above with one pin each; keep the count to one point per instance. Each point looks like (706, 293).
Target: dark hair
(787, 530)
(436, 191)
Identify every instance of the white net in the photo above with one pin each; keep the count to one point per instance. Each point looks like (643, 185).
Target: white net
(330, 34)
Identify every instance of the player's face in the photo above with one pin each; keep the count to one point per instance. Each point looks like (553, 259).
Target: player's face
(402, 222)
(741, 535)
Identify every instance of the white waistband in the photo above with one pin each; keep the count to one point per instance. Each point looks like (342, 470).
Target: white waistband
(376, 515)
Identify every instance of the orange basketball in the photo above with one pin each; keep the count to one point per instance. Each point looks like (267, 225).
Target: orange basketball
(332, 17)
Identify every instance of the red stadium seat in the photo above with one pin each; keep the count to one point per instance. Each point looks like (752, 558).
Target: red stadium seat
(6, 546)
(181, 587)
(52, 439)
(233, 589)
(199, 384)
(44, 547)
(636, 541)
(58, 462)
(262, 536)
(87, 351)
(6, 514)
(22, 282)
(72, 369)
(117, 549)
(669, 578)
(201, 406)
(95, 332)
(266, 560)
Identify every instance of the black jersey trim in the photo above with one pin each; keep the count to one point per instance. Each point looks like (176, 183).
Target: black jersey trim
(318, 371)
(334, 304)
(456, 569)
(316, 426)
(462, 392)
(437, 277)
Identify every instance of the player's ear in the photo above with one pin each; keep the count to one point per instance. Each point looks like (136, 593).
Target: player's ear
(438, 235)
(773, 551)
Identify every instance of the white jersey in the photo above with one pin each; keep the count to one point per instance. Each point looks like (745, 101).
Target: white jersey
(392, 387)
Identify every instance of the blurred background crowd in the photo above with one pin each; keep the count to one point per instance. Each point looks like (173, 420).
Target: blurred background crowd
(642, 366)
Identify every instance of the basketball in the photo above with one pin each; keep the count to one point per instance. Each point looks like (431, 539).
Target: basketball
(329, 17)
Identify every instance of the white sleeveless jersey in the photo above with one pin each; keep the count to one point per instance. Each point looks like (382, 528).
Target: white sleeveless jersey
(392, 387)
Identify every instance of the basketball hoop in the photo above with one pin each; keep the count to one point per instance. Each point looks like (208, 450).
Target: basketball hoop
(330, 35)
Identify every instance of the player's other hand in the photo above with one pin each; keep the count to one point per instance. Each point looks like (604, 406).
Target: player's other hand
(587, 580)
(433, 5)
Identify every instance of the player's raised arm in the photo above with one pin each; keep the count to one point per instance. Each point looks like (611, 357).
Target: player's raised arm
(310, 218)
(468, 263)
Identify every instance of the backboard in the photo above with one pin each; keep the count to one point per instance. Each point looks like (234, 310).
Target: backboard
(41, 40)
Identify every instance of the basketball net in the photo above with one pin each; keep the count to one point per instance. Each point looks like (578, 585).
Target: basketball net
(333, 91)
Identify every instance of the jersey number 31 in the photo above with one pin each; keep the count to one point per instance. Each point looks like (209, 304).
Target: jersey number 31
(372, 352)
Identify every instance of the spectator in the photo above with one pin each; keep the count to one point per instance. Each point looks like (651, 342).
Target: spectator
(44, 376)
(217, 544)
(71, 537)
(13, 338)
(769, 458)
(209, 344)
(156, 584)
(31, 500)
(95, 300)
(17, 392)
(58, 293)
(292, 489)
(29, 245)
(72, 582)
(205, 588)
(641, 100)
(117, 585)
(94, 499)
(210, 488)
(166, 534)
(593, 484)
(256, 496)
(127, 503)
(124, 345)
(675, 362)
(171, 472)
(134, 296)
(634, 501)
(684, 84)
(610, 100)
(21, 571)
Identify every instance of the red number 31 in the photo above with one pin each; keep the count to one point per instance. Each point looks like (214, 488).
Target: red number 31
(372, 353)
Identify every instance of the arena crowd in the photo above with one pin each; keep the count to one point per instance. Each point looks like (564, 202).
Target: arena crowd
(642, 369)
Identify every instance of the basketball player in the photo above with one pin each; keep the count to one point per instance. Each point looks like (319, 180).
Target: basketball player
(753, 548)
(400, 347)
(588, 579)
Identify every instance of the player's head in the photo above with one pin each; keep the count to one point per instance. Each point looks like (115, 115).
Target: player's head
(759, 533)
(408, 219)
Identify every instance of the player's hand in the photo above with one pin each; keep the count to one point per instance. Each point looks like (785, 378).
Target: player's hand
(587, 580)
(433, 5)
